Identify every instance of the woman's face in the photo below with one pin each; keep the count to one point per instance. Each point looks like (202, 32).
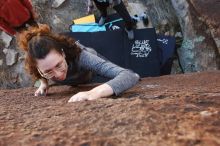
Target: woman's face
(53, 66)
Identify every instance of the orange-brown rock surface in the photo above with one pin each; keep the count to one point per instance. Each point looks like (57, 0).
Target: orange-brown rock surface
(178, 110)
(209, 11)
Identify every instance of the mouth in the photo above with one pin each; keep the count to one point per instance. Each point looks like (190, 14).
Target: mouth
(62, 77)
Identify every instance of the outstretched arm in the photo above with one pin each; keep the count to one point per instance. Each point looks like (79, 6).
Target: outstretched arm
(43, 88)
(120, 79)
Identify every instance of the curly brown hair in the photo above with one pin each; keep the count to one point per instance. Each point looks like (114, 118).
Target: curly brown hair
(37, 42)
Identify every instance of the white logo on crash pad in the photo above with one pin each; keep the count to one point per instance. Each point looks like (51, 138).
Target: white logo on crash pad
(164, 41)
(141, 48)
(115, 27)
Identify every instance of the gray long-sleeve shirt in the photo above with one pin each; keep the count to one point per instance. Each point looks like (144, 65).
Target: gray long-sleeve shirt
(120, 79)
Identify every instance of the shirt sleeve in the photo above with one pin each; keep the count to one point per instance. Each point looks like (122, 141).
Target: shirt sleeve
(120, 79)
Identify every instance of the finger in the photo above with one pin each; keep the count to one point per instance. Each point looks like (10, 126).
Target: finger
(36, 93)
(90, 99)
(71, 99)
(83, 98)
(45, 91)
(76, 99)
(42, 92)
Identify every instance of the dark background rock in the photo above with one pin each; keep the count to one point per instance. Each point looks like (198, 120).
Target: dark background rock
(209, 13)
(199, 51)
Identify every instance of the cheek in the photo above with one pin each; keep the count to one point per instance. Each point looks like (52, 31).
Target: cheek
(65, 71)
(66, 67)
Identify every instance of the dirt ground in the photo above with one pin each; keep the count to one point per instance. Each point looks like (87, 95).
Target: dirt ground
(178, 110)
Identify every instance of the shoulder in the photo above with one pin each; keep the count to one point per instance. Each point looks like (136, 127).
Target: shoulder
(89, 60)
(88, 55)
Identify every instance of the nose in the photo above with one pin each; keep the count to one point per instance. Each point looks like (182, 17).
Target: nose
(58, 74)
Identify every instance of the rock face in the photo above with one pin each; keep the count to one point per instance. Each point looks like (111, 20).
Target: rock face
(199, 51)
(6, 39)
(162, 16)
(196, 21)
(11, 56)
(57, 3)
(178, 110)
(60, 13)
(209, 13)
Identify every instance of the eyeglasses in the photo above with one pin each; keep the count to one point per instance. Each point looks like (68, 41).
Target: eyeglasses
(59, 67)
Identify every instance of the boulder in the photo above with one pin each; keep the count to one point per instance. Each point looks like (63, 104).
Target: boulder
(198, 51)
(209, 13)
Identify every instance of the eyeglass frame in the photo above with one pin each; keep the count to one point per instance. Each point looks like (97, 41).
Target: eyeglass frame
(64, 65)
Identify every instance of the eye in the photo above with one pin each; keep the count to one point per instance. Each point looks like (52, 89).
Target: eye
(48, 72)
(59, 65)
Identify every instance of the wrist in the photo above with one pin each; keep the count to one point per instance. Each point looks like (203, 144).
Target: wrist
(43, 83)
(103, 90)
(94, 93)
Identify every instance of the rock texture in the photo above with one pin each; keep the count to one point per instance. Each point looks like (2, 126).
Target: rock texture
(11, 56)
(199, 51)
(209, 12)
(6, 39)
(162, 16)
(178, 110)
(194, 21)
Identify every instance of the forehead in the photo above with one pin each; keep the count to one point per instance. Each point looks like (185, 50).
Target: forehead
(50, 61)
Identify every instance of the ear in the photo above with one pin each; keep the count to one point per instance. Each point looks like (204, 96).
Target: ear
(64, 55)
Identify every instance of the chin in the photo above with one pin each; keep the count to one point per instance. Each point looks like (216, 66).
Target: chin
(60, 79)
(63, 77)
